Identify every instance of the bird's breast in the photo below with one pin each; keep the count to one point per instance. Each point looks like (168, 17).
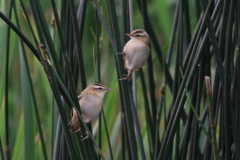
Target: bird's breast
(136, 54)
(90, 105)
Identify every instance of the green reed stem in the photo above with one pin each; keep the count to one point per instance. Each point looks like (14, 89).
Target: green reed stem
(211, 117)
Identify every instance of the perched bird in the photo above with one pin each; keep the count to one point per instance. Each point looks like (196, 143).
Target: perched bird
(90, 100)
(135, 52)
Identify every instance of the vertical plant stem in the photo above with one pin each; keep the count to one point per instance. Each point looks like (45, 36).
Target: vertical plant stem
(211, 118)
(134, 85)
(157, 131)
(162, 105)
(122, 85)
(176, 73)
(64, 154)
(126, 138)
(98, 74)
(136, 122)
(65, 54)
(177, 142)
(198, 9)
(68, 67)
(29, 151)
(150, 67)
(194, 130)
(222, 139)
(37, 10)
(87, 145)
(52, 128)
(78, 44)
(99, 80)
(1, 149)
(32, 93)
(52, 81)
(178, 77)
(227, 80)
(125, 145)
(63, 26)
(174, 28)
(71, 42)
(97, 42)
(58, 140)
(222, 39)
(187, 80)
(187, 21)
(7, 147)
(165, 113)
(187, 129)
(213, 39)
(156, 44)
(191, 44)
(81, 16)
(150, 71)
(207, 147)
(150, 127)
(109, 143)
(198, 118)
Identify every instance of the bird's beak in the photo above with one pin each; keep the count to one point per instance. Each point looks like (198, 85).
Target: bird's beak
(109, 89)
(129, 35)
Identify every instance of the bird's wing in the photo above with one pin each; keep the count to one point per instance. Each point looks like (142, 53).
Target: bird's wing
(74, 123)
(124, 60)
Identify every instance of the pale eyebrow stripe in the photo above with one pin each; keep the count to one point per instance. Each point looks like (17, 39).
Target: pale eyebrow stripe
(98, 85)
(137, 31)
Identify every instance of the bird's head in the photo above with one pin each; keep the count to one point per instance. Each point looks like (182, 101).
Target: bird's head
(100, 89)
(139, 34)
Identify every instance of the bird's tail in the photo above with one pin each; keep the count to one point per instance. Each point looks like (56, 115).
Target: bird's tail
(74, 123)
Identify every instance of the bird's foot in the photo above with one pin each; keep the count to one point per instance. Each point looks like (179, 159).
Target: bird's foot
(86, 137)
(81, 115)
(125, 78)
(121, 53)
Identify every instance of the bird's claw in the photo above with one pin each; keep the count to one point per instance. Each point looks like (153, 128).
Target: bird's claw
(125, 78)
(81, 116)
(87, 136)
(121, 53)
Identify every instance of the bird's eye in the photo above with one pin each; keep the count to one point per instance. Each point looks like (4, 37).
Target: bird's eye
(100, 89)
(137, 35)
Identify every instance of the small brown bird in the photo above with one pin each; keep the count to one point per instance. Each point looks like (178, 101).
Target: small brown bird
(135, 52)
(90, 100)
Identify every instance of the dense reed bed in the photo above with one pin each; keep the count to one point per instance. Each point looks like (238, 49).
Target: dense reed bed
(182, 104)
